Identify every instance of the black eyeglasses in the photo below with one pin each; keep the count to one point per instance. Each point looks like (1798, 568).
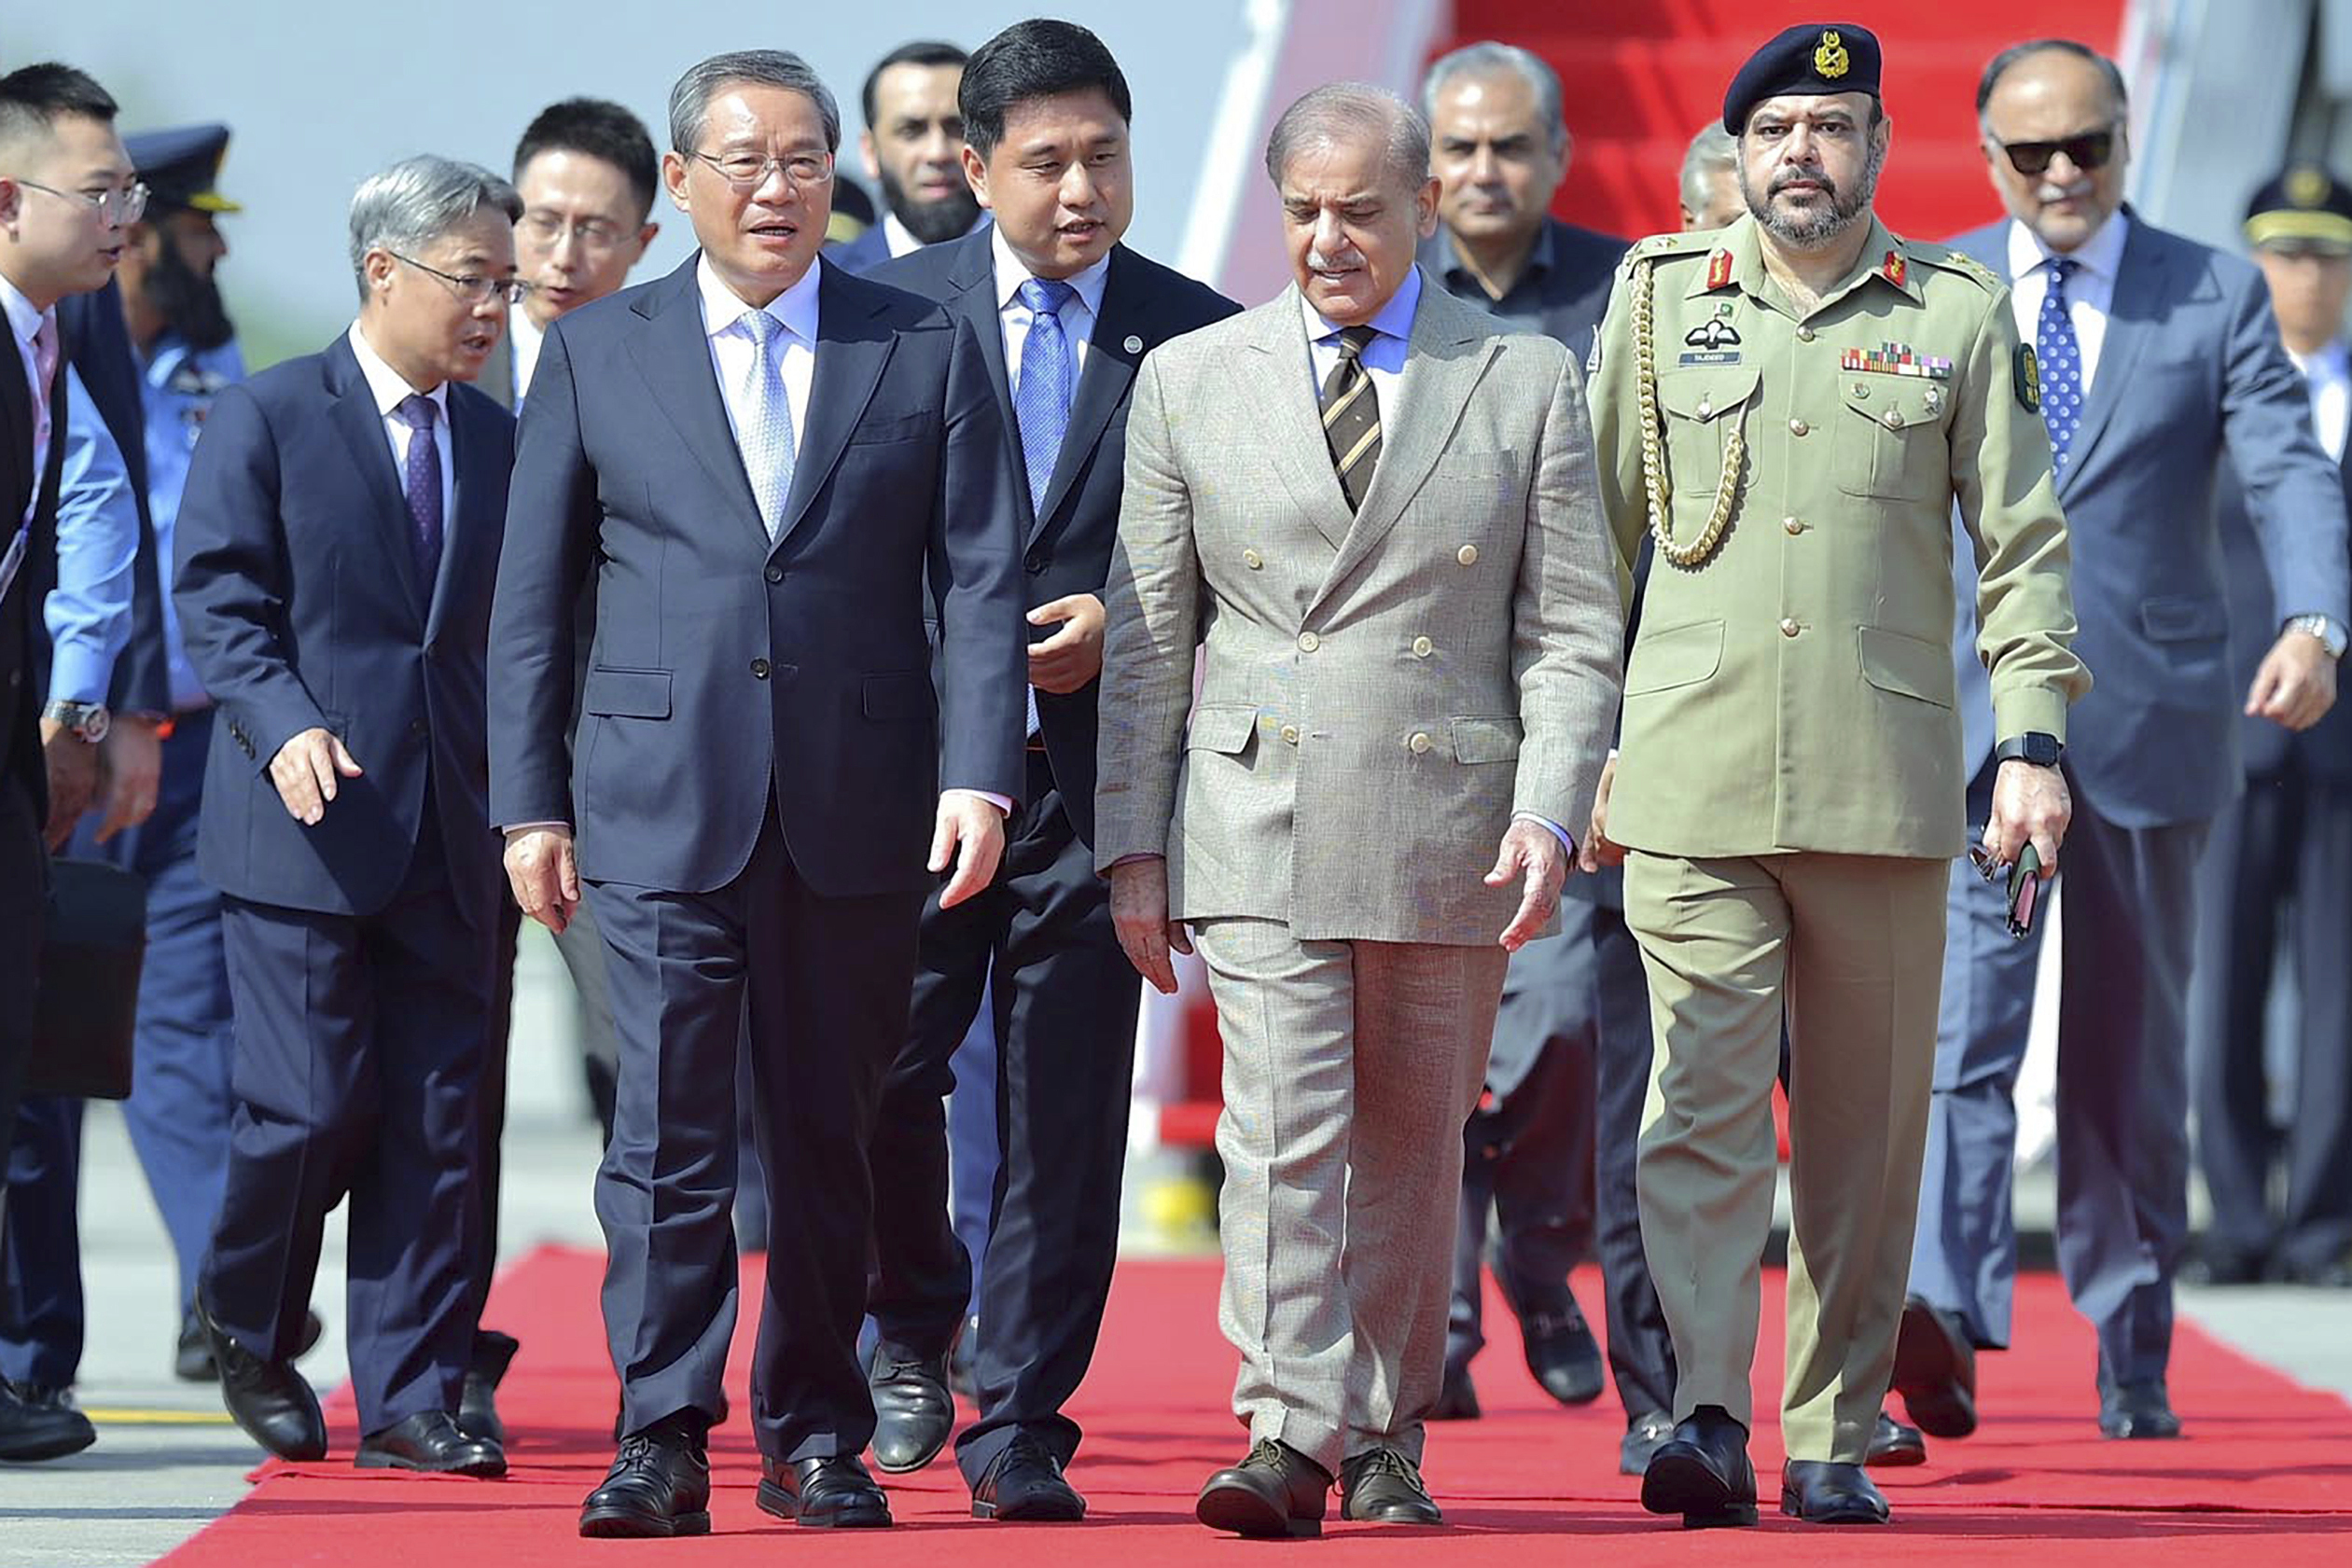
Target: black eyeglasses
(2091, 150)
(472, 287)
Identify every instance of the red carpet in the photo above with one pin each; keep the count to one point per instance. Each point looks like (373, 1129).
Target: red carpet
(2266, 1467)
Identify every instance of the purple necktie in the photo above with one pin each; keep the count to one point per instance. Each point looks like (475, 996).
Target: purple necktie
(423, 485)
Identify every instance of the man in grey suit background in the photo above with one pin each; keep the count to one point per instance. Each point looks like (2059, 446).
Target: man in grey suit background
(1377, 512)
(2156, 356)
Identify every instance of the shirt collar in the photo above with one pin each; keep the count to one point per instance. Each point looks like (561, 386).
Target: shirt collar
(1392, 320)
(795, 308)
(899, 239)
(2330, 364)
(24, 317)
(2102, 252)
(522, 329)
(1012, 273)
(387, 385)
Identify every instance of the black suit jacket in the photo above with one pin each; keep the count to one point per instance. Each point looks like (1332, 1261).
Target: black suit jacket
(727, 671)
(298, 596)
(1067, 541)
(23, 640)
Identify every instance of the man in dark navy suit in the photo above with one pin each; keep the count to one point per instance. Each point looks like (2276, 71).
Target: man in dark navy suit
(337, 543)
(1062, 314)
(913, 148)
(775, 470)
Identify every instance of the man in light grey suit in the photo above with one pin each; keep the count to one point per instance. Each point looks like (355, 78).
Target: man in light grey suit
(1376, 509)
(2156, 356)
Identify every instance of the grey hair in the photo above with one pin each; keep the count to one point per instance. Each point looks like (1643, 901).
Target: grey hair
(1342, 111)
(1491, 59)
(418, 199)
(1712, 151)
(691, 99)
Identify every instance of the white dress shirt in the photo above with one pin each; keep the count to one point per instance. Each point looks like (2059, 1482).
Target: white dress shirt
(1078, 314)
(391, 389)
(523, 338)
(734, 343)
(900, 239)
(2090, 293)
(1383, 357)
(2329, 374)
(25, 320)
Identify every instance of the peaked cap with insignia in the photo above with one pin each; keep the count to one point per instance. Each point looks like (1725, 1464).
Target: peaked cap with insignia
(1819, 57)
(2305, 209)
(180, 166)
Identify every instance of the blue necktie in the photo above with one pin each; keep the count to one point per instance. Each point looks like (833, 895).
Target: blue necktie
(1042, 404)
(763, 420)
(421, 484)
(2061, 359)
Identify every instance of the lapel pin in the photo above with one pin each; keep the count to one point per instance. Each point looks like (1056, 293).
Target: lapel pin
(1133, 345)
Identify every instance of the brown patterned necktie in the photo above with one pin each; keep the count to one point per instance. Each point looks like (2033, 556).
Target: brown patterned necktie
(1351, 416)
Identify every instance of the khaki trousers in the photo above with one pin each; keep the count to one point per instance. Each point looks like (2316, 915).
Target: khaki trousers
(1853, 946)
(1350, 1069)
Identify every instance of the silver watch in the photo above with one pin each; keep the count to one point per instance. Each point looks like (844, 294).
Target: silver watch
(2330, 632)
(88, 720)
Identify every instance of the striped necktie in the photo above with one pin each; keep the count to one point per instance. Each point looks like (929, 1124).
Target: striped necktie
(1351, 416)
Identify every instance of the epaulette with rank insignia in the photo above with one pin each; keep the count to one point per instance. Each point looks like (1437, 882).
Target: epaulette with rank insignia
(1661, 246)
(1956, 261)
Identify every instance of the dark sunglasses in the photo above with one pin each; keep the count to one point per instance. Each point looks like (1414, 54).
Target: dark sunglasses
(2024, 883)
(2088, 151)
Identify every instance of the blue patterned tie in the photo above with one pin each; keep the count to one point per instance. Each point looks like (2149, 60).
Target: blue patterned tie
(2061, 359)
(763, 420)
(1042, 405)
(421, 484)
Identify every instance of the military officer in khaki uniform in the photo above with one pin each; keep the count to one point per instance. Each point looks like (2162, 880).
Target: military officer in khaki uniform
(1792, 406)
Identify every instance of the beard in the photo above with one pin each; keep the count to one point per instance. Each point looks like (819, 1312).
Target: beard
(1812, 230)
(189, 302)
(931, 222)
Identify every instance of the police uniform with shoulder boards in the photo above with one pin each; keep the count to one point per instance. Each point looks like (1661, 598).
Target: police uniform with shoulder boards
(1789, 785)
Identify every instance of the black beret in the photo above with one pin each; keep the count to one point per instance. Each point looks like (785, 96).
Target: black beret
(180, 166)
(1817, 58)
(2304, 208)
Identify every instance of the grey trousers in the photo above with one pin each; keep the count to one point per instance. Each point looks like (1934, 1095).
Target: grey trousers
(1350, 1068)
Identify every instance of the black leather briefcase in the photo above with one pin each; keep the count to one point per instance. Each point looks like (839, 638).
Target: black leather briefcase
(87, 1009)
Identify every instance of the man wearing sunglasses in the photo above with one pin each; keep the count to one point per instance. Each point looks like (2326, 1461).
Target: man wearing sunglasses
(2156, 356)
(337, 543)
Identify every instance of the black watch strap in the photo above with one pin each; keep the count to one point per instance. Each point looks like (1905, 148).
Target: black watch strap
(2034, 746)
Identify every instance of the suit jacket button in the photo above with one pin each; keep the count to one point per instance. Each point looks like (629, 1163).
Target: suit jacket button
(1252, 560)
(760, 667)
(416, 727)
(1423, 647)
(1419, 743)
(1290, 734)
(774, 573)
(1309, 642)
(1037, 564)
(1467, 555)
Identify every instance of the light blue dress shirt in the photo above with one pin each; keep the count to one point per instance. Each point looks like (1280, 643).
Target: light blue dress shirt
(89, 612)
(181, 383)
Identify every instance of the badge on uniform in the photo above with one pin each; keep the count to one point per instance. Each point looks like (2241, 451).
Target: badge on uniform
(2028, 378)
(1891, 359)
(1719, 268)
(1895, 269)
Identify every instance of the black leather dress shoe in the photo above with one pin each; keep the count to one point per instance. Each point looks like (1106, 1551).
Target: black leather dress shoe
(1381, 1486)
(660, 1485)
(192, 1356)
(963, 1361)
(1935, 1370)
(2223, 1266)
(432, 1441)
(831, 1493)
(2138, 1410)
(1024, 1482)
(1895, 1445)
(914, 1414)
(1642, 1435)
(1563, 1355)
(1701, 1472)
(1273, 1492)
(269, 1399)
(1821, 1493)
(478, 1404)
(37, 1423)
(1457, 1397)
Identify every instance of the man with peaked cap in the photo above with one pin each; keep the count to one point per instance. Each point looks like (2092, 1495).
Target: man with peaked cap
(1790, 407)
(2289, 841)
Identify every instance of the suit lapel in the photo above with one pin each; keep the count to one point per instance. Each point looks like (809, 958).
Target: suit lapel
(16, 409)
(1277, 379)
(1449, 352)
(360, 424)
(852, 348)
(2132, 320)
(674, 353)
(975, 282)
(1110, 370)
(472, 490)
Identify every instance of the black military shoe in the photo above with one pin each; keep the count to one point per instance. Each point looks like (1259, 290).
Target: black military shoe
(1275, 1492)
(1896, 1445)
(1935, 1370)
(1821, 1492)
(835, 1492)
(1457, 1397)
(478, 1405)
(1562, 1356)
(1643, 1434)
(269, 1399)
(1381, 1486)
(37, 1423)
(432, 1441)
(660, 1485)
(1024, 1482)
(914, 1414)
(1701, 1472)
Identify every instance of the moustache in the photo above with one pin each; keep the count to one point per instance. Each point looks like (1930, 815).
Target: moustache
(1787, 177)
(1320, 263)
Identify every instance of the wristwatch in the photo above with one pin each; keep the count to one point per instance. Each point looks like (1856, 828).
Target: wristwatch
(2034, 747)
(2325, 628)
(87, 720)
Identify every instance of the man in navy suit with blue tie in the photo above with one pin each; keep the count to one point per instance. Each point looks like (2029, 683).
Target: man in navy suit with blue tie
(777, 472)
(2156, 356)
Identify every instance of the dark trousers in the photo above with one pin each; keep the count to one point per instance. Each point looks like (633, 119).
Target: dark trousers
(2286, 852)
(816, 989)
(179, 1108)
(23, 889)
(359, 1051)
(490, 1103)
(1039, 941)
